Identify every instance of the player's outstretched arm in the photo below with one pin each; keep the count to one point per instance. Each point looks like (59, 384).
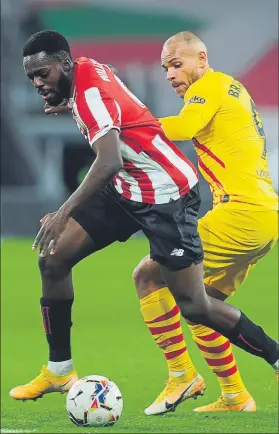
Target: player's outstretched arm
(107, 164)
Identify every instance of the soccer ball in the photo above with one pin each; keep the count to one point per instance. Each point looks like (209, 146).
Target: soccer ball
(94, 401)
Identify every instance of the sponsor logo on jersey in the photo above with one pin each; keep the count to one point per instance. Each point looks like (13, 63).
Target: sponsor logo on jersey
(196, 100)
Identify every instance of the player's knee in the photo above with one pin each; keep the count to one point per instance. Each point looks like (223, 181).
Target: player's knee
(141, 274)
(52, 268)
(147, 277)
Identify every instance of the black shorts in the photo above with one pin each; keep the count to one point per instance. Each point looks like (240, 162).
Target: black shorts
(171, 228)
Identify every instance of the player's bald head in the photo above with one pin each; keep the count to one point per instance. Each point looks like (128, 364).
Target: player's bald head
(186, 43)
(184, 57)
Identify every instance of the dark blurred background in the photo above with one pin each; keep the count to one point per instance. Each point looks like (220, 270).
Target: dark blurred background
(43, 159)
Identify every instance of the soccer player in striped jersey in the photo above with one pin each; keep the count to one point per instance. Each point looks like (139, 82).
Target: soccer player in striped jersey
(227, 131)
(139, 180)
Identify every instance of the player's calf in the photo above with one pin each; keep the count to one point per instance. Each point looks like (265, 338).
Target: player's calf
(162, 317)
(56, 306)
(58, 294)
(188, 290)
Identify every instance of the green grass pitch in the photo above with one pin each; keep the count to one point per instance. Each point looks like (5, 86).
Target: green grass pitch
(110, 338)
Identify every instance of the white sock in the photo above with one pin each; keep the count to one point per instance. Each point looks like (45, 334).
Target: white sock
(230, 395)
(60, 368)
(276, 365)
(177, 373)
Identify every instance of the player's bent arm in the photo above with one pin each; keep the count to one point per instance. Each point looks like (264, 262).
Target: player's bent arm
(183, 126)
(106, 165)
(202, 101)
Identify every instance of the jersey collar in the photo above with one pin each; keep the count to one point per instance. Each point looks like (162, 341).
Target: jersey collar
(208, 72)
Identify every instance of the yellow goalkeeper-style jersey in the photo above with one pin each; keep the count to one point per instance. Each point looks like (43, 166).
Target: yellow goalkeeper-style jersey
(221, 118)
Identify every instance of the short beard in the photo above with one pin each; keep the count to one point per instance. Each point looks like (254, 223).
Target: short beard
(63, 92)
(56, 100)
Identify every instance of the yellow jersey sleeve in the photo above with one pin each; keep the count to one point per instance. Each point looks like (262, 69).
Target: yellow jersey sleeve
(202, 100)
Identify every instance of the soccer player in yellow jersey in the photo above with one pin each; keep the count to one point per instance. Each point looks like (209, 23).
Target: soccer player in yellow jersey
(221, 118)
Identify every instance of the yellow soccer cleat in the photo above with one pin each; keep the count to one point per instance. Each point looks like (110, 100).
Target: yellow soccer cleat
(242, 402)
(176, 391)
(46, 382)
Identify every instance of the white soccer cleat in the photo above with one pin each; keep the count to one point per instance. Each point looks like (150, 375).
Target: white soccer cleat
(176, 391)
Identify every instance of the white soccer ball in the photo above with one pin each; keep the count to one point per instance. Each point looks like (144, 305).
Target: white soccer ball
(94, 401)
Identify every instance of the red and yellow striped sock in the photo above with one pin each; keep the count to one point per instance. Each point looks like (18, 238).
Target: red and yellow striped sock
(162, 316)
(217, 352)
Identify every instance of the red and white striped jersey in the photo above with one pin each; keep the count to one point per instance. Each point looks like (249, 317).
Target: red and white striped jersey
(155, 171)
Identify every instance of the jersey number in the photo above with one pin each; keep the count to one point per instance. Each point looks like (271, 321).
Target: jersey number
(259, 126)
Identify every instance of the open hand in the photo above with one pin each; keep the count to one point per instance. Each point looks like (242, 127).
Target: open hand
(52, 226)
(54, 110)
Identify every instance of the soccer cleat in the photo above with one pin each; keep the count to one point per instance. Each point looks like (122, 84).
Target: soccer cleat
(46, 382)
(238, 403)
(176, 391)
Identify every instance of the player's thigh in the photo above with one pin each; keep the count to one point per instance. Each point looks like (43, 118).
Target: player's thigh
(175, 244)
(105, 221)
(233, 242)
(172, 232)
(74, 244)
(225, 256)
(266, 225)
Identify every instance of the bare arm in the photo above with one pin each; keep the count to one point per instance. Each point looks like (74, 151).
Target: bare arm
(107, 164)
(105, 167)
